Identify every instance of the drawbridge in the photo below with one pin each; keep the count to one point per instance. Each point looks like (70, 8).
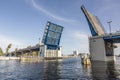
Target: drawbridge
(101, 43)
(49, 47)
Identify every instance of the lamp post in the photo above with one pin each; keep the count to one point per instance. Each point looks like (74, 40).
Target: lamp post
(109, 25)
(39, 40)
(39, 53)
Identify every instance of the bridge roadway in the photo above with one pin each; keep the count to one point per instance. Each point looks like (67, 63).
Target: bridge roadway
(25, 50)
(113, 37)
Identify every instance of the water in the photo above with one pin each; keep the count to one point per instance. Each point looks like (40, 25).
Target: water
(67, 69)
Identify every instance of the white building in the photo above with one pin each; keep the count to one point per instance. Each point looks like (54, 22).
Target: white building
(48, 53)
(75, 53)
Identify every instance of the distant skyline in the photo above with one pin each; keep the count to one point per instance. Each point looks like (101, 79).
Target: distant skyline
(22, 22)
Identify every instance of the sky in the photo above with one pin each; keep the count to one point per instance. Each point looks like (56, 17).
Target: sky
(22, 22)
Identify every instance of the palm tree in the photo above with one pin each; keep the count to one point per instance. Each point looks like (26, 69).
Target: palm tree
(7, 49)
(1, 52)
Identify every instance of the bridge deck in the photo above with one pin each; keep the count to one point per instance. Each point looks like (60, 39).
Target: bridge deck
(115, 38)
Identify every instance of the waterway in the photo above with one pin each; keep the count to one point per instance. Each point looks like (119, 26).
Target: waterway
(66, 69)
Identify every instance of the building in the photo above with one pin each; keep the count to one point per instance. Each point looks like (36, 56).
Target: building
(75, 53)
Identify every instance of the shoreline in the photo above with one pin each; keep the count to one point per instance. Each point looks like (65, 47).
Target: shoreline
(31, 58)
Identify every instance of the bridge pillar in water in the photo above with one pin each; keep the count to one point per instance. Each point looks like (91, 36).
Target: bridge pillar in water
(100, 50)
(49, 53)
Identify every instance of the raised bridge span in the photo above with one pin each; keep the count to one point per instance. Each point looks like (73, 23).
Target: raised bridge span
(50, 45)
(101, 43)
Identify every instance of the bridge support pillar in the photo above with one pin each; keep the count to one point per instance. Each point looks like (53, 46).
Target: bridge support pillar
(100, 50)
(50, 53)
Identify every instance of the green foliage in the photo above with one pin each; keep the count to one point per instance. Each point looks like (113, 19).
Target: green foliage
(9, 46)
(7, 49)
(1, 52)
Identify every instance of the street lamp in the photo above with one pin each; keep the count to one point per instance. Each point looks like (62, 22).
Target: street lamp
(39, 40)
(109, 25)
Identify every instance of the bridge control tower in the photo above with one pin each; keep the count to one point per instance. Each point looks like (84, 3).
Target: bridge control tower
(49, 48)
(101, 43)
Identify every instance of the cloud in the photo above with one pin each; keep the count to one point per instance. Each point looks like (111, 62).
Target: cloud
(40, 8)
(111, 5)
(4, 41)
(81, 39)
(75, 40)
(80, 35)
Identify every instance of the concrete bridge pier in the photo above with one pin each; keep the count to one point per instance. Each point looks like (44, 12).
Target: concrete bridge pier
(101, 44)
(101, 50)
(47, 53)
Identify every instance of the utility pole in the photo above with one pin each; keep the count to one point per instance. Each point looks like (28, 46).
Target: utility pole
(109, 25)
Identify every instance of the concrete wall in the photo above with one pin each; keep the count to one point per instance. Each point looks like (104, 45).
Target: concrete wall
(98, 50)
(44, 52)
(59, 52)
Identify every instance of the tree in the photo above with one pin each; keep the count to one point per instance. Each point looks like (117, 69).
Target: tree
(15, 53)
(1, 52)
(7, 49)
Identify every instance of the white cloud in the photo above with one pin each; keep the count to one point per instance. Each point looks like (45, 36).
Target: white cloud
(40, 8)
(82, 40)
(5, 41)
(80, 35)
(75, 40)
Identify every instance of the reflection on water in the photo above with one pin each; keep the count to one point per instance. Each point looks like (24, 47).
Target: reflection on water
(87, 69)
(66, 69)
(104, 70)
(52, 70)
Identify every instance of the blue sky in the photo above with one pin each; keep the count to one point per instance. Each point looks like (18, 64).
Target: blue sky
(22, 22)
